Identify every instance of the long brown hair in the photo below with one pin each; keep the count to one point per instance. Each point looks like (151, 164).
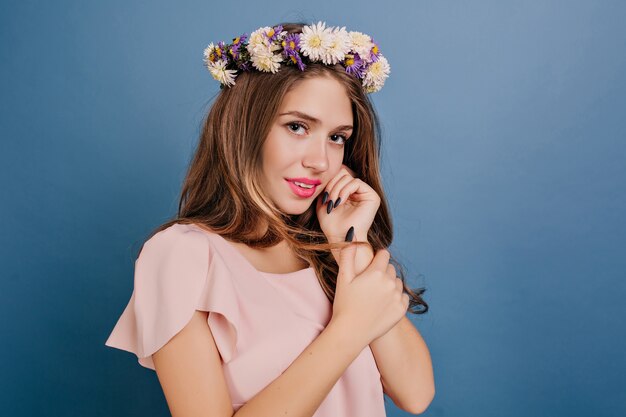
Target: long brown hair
(221, 192)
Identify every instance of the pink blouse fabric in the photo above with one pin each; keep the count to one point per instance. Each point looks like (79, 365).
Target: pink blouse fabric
(260, 321)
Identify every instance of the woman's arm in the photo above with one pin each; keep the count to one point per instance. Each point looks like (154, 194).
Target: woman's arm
(405, 366)
(299, 391)
(401, 354)
(189, 369)
(190, 373)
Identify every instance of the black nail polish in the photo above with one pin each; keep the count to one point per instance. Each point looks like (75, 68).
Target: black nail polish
(350, 234)
(329, 207)
(337, 202)
(325, 197)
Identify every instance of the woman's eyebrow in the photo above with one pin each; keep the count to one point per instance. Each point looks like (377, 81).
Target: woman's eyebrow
(313, 119)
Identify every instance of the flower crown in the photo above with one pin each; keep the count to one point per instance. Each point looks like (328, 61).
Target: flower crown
(268, 47)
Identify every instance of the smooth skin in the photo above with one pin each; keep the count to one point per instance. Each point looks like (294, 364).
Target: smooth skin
(189, 366)
(297, 147)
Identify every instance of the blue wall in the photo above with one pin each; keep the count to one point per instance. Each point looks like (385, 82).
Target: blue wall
(504, 157)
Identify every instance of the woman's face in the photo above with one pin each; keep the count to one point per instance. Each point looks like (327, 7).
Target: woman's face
(306, 142)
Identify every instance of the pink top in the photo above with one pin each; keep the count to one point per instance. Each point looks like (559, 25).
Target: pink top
(261, 321)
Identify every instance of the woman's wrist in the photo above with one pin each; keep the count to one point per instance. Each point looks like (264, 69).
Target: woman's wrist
(359, 235)
(364, 253)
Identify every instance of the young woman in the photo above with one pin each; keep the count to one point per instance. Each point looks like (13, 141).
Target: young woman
(250, 302)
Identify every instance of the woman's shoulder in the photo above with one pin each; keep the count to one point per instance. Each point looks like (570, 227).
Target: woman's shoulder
(175, 274)
(180, 233)
(179, 240)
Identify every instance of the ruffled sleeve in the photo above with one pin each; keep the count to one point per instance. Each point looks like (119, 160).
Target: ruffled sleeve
(174, 276)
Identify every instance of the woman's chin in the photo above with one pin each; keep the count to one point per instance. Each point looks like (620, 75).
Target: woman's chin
(296, 207)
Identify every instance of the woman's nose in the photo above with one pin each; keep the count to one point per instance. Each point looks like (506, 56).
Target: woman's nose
(316, 156)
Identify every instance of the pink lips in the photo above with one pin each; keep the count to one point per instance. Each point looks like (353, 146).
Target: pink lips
(305, 180)
(299, 191)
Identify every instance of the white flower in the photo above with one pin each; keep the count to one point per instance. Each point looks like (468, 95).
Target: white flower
(265, 60)
(258, 40)
(262, 50)
(339, 45)
(207, 51)
(211, 49)
(315, 40)
(220, 73)
(276, 45)
(362, 44)
(376, 74)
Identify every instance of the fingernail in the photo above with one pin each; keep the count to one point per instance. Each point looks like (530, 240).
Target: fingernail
(329, 207)
(337, 202)
(325, 197)
(350, 234)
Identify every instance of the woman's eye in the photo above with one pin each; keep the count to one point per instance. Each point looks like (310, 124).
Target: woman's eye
(343, 139)
(294, 127)
(298, 126)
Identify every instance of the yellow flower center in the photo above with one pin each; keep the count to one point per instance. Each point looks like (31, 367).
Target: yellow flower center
(236, 40)
(270, 33)
(315, 42)
(349, 61)
(376, 68)
(292, 44)
(293, 59)
(375, 49)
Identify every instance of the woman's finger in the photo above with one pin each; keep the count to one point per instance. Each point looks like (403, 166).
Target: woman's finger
(338, 190)
(332, 182)
(351, 191)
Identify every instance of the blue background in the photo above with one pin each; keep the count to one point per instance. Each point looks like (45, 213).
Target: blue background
(504, 159)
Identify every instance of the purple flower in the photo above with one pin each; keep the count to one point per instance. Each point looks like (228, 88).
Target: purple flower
(354, 65)
(296, 59)
(374, 52)
(291, 44)
(291, 50)
(234, 47)
(221, 51)
(274, 33)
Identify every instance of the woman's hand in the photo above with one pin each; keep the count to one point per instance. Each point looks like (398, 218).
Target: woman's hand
(358, 204)
(371, 302)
